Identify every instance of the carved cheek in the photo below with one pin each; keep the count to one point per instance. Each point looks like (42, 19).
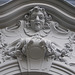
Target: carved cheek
(32, 22)
(42, 21)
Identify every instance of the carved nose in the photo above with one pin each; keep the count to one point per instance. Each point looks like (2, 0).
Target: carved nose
(37, 17)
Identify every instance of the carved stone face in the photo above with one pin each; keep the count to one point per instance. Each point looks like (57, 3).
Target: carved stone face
(37, 20)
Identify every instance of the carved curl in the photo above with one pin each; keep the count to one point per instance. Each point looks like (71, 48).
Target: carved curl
(47, 17)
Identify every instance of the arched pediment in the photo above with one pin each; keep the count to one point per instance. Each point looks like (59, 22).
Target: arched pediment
(60, 12)
(37, 37)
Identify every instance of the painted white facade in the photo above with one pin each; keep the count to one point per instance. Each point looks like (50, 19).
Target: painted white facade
(37, 37)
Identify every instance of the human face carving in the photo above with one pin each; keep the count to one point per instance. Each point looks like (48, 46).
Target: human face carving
(37, 20)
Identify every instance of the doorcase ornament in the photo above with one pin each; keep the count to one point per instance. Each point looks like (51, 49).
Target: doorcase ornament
(36, 41)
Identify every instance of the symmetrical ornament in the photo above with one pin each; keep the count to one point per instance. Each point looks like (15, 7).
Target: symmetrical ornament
(36, 22)
(35, 47)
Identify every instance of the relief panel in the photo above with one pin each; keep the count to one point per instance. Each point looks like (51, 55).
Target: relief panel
(36, 41)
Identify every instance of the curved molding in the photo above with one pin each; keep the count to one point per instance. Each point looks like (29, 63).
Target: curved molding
(9, 68)
(57, 3)
(14, 11)
(6, 2)
(57, 68)
(64, 68)
(64, 16)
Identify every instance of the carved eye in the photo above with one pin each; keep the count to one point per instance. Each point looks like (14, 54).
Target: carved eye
(41, 17)
(33, 17)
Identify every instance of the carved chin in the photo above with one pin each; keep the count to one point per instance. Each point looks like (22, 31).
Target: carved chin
(37, 28)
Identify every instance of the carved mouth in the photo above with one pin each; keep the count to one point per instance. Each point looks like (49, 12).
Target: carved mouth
(37, 26)
(37, 23)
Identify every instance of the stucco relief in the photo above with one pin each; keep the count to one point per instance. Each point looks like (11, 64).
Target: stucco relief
(37, 39)
(35, 22)
(36, 50)
(36, 44)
